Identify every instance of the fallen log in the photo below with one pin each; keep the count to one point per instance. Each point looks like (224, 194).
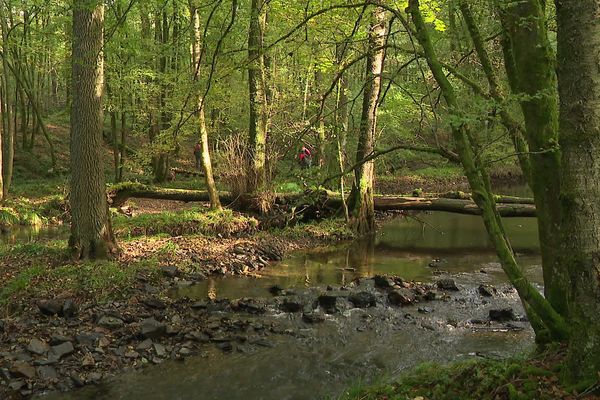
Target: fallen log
(119, 194)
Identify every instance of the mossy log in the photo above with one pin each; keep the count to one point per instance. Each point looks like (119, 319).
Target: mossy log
(119, 194)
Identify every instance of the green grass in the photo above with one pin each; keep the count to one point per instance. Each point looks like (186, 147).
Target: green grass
(512, 379)
(104, 280)
(19, 283)
(194, 221)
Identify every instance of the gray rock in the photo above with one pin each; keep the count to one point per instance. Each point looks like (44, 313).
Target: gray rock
(184, 351)
(88, 339)
(332, 301)
(313, 317)
(183, 284)
(487, 290)
(77, 381)
(502, 315)
(401, 297)
(252, 306)
(384, 282)
(38, 347)
(160, 350)
(47, 373)
(50, 307)
(153, 302)
(447, 284)
(59, 339)
(16, 384)
(225, 346)
(292, 305)
(152, 329)
(69, 309)
(21, 369)
(363, 299)
(145, 345)
(94, 377)
(61, 350)
(425, 310)
(111, 322)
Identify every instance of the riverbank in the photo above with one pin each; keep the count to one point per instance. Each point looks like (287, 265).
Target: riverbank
(537, 377)
(54, 311)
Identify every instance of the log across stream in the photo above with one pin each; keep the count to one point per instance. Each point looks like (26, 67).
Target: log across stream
(453, 202)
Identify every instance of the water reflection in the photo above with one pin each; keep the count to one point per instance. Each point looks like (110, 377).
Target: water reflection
(404, 246)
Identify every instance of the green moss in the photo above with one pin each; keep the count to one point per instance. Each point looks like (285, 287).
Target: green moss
(517, 379)
(193, 221)
(328, 229)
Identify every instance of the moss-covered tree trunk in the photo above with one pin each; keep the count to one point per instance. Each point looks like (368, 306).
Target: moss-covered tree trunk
(529, 61)
(8, 150)
(362, 214)
(91, 232)
(211, 187)
(579, 88)
(258, 117)
(478, 178)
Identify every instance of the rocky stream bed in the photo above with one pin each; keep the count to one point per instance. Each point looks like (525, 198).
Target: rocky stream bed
(57, 345)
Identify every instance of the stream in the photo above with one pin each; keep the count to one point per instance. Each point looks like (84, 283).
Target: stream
(357, 345)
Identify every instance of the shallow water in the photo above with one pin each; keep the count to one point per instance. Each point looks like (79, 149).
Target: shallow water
(404, 246)
(321, 361)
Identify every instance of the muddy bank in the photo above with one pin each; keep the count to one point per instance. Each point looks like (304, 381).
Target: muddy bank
(59, 345)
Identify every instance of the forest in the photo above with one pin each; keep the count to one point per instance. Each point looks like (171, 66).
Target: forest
(300, 199)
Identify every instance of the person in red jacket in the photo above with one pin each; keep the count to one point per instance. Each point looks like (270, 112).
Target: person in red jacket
(304, 157)
(198, 155)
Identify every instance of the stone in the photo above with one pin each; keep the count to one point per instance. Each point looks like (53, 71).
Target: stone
(487, 290)
(38, 347)
(77, 381)
(94, 377)
(199, 305)
(363, 299)
(50, 307)
(225, 346)
(153, 302)
(21, 369)
(502, 315)
(47, 373)
(16, 385)
(110, 322)
(132, 354)
(160, 350)
(183, 284)
(145, 345)
(170, 271)
(275, 290)
(184, 351)
(425, 310)
(384, 282)
(291, 305)
(61, 350)
(252, 306)
(198, 336)
(88, 339)
(69, 309)
(401, 297)
(59, 339)
(313, 317)
(447, 284)
(152, 329)
(332, 301)
(88, 361)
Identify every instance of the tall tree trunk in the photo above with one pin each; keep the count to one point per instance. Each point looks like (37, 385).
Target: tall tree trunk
(529, 63)
(211, 187)
(91, 231)
(363, 212)
(257, 177)
(8, 150)
(579, 89)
